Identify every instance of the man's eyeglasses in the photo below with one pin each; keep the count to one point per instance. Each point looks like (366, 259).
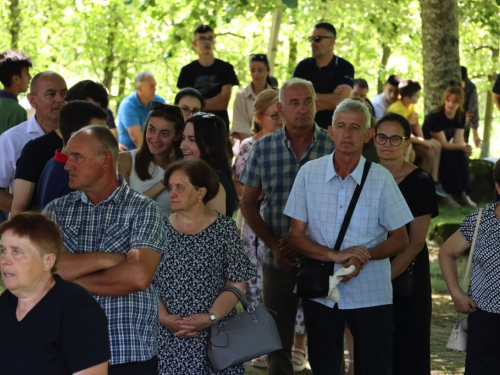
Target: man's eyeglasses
(172, 109)
(188, 111)
(275, 116)
(395, 140)
(318, 38)
(204, 39)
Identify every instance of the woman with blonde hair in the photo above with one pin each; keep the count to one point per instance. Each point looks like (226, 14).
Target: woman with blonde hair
(446, 125)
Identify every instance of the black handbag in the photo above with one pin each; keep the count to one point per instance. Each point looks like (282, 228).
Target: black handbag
(242, 337)
(313, 275)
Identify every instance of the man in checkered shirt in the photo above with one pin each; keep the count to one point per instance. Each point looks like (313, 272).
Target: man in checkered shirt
(114, 238)
(271, 168)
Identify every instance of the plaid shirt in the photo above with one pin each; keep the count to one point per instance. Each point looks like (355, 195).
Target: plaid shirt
(126, 220)
(273, 166)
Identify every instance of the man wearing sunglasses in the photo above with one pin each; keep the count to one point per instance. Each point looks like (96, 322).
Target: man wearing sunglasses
(134, 110)
(212, 77)
(331, 76)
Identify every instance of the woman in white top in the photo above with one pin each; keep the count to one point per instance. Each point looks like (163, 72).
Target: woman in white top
(143, 169)
(243, 104)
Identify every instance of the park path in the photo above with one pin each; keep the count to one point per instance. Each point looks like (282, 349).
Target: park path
(443, 361)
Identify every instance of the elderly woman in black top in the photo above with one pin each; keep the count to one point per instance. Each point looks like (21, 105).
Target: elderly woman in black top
(47, 325)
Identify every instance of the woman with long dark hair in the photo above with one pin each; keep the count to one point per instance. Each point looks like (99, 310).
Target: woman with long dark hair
(143, 168)
(205, 137)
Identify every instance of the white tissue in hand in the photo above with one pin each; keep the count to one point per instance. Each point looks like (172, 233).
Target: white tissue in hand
(333, 292)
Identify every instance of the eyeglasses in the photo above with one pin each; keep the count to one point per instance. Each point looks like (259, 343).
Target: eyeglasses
(258, 57)
(188, 111)
(171, 109)
(207, 116)
(318, 38)
(275, 116)
(395, 140)
(203, 39)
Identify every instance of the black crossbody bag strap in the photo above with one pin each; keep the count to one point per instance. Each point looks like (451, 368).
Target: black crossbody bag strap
(352, 205)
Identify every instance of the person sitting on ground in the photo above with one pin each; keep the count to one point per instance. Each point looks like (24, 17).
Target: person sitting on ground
(204, 137)
(39, 151)
(48, 325)
(15, 78)
(243, 109)
(190, 101)
(446, 124)
(204, 254)
(390, 94)
(54, 180)
(426, 152)
(482, 300)
(143, 168)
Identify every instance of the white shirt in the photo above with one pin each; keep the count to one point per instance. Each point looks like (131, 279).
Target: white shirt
(379, 106)
(243, 110)
(320, 198)
(12, 143)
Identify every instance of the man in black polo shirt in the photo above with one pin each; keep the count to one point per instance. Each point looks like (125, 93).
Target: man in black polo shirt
(331, 76)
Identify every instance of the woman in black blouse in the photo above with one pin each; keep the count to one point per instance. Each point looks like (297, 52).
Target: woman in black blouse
(446, 124)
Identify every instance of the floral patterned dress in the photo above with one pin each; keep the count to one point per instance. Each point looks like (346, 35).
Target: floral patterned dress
(192, 273)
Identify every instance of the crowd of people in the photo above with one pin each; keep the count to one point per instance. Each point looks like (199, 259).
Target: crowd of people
(139, 216)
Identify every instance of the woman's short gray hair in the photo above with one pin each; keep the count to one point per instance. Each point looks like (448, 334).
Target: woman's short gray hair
(296, 81)
(350, 105)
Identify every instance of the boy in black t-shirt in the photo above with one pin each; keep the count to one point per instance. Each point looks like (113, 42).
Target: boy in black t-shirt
(214, 78)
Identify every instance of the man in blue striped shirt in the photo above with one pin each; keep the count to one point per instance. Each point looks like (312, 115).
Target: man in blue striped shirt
(271, 168)
(114, 238)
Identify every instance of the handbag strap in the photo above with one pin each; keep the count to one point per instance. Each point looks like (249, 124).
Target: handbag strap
(239, 294)
(473, 245)
(352, 205)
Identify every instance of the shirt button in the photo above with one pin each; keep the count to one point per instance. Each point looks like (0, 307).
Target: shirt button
(342, 188)
(341, 206)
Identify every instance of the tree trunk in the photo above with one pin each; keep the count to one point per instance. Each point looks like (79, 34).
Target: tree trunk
(488, 112)
(386, 53)
(110, 59)
(273, 38)
(441, 61)
(15, 23)
(292, 57)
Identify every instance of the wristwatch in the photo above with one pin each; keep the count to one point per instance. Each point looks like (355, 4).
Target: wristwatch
(212, 317)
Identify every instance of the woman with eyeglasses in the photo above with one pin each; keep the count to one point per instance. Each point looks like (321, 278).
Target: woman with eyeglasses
(409, 270)
(446, 125)
(190, 101)
(205, 137)
(244, 102)
(143, 168)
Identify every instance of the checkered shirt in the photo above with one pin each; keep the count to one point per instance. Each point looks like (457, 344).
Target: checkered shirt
(126, 220)
(273, 166)
(320, 198)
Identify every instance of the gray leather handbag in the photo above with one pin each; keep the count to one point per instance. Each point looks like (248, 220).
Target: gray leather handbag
(247, 335)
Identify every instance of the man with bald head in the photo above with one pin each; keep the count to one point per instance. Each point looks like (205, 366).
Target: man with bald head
(271, 168)
(47, 91)
(113, 238)
(134, 110)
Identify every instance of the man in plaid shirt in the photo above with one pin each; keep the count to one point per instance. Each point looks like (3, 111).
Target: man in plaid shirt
(114, 238)
(271, 167)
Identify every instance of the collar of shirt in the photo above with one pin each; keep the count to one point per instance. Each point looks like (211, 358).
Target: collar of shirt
(137, 102)
(287, 141)
(60, 157)
(333, 62)
(7, 95)
(33, 126)
(115, 195)
(357, 174)
(249, 91)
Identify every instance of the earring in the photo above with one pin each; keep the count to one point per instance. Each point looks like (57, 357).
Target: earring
(199, 200)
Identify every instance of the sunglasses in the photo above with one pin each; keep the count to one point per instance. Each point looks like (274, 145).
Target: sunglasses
(205, 115)
(171, 109)
(318, 39)
(258, 57)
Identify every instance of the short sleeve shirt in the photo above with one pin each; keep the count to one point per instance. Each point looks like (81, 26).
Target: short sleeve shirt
(11, 112)
(379, 106)
(209, 80)
(64, 333)
(320, 198)
(11, 144)
(437, 121)
(243, 110)
(132, 112)
(338, 72)
(273, 166)
(126, 220)
(485, 279)
(399, 108)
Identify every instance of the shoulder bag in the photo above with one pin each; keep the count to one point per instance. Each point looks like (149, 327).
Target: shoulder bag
(313, 278)
(244, 336)
(458, 337)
